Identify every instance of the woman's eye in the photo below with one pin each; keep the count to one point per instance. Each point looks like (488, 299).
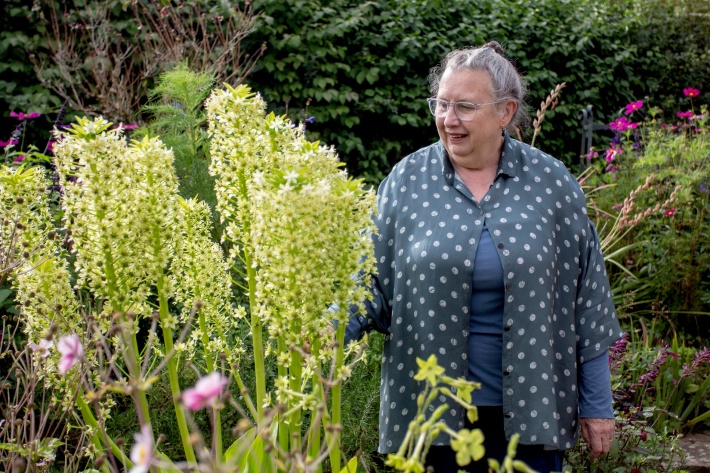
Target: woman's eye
(467, 107)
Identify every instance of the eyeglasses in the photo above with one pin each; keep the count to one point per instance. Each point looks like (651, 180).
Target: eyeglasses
(465, 111)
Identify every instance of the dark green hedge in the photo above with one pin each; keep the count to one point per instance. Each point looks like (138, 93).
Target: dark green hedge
(364, 65)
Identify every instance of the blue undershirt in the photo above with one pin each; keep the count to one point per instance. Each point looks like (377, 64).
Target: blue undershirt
(486, 341)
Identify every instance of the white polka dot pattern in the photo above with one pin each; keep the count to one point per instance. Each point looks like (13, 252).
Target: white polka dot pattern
(558, 307)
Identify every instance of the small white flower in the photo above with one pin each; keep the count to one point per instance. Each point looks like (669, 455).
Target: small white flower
(142, 451)
(42, 348)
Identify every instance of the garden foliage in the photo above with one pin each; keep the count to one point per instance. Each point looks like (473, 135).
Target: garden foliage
(360, 68)
(364, 64)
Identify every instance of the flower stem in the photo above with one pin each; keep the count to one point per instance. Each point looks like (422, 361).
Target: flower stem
(314, 439)
(295, 376)
(89, 420)
(172, 371)
(257, 326)
(284, 431)
(336, 396)
(209, 363)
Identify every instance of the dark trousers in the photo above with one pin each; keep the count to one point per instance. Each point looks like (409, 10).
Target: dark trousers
(490, 420)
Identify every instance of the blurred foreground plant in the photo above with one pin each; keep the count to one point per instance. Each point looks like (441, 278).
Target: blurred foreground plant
(141, 265)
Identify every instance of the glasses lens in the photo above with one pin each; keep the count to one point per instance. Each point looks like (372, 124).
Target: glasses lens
(438, 107)
(465, 110)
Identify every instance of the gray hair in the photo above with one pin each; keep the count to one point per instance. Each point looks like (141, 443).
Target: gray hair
(506, 82)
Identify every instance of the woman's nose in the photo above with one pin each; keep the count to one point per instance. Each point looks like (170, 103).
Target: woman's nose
(450, 117)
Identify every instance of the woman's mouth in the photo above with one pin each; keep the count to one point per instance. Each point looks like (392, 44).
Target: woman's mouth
(456, 137)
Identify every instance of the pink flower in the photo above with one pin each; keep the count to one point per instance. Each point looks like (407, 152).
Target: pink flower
(71, 350)
(21, 116)
(19, 158)
(612, 153)
(142, 451)
(7, 143)
(205, 392)
(620, 124)
(669, 212)
(688, 114)
(131, 126)
(633, 106)
(691, 92)
(43, 347)
(50, 146)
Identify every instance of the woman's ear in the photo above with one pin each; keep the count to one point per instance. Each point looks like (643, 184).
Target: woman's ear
(509, 109)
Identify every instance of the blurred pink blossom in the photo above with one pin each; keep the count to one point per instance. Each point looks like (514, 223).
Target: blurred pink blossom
(612, 153)
(22, 116)
(691, 92)
(43, 347)
(687, 114)
(7, 143)
(205, 392)
(633, 106)
(669, 212)
(131, 126)
(142, 451)
(71, 350)
(622, 124)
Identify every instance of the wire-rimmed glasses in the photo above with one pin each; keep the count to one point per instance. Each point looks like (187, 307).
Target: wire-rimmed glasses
(465, 111)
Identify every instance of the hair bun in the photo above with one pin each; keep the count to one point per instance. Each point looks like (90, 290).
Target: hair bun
(495, 46)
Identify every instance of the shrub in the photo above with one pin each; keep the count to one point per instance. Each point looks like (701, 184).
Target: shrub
(360, 68)
(655, 176)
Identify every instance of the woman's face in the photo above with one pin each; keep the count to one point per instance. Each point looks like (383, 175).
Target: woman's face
(472, 144)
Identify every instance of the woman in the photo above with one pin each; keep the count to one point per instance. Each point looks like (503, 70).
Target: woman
(487, 259)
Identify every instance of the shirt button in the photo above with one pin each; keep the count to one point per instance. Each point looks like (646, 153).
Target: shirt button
(500, 245)
(508, 286)
(506, 373)
(508, 415)
(506, 328)
(481, 212)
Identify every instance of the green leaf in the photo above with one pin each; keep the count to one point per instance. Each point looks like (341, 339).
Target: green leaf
(4, 294)
(351, 467)
(239, 446)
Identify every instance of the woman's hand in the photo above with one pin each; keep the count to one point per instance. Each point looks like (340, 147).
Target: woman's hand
(599, 435)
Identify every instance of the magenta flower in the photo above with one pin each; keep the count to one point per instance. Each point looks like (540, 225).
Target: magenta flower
(42, 348)
(131, 126)
(19, 158)
(633, 106)
(21, 116)
(71, 350)
(622, 124)
(205, 392)
(691, 92)
(612, 153)
(9, 142)
(669, 212)
(142, 451)
(687, 114)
